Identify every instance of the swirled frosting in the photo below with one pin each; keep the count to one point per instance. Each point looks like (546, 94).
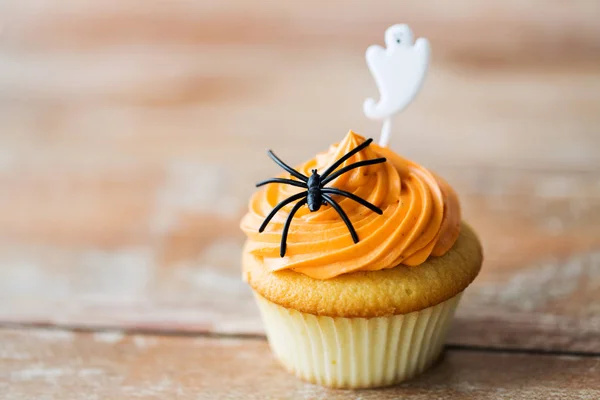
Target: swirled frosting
(421, 217)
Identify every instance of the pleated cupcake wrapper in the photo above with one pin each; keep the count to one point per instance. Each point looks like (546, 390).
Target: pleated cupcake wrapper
(357, 352)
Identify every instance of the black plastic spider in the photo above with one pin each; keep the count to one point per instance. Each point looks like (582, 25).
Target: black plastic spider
(317, 194)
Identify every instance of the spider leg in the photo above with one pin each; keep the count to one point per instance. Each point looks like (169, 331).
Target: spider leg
(351, 167)
(287, 167)
(345, 157)
(281, 180)
(340, 211)
(279, 207)
(286, 227)
(354, 197)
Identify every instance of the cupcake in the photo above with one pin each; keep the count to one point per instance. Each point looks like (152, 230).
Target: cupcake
(357, 277)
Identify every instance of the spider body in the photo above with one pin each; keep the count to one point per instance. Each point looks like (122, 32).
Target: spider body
(314, 197)
(317, 194)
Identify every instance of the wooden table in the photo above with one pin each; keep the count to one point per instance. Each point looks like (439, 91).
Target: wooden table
(131, 135)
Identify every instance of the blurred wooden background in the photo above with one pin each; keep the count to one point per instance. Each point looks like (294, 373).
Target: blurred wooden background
(131, 134)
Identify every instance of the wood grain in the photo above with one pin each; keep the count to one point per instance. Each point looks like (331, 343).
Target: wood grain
(70, 366)
(509, 29)
(131, 134)
(154, 82)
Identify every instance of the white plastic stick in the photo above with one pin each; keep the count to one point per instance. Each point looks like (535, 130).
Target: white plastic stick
(386, 129)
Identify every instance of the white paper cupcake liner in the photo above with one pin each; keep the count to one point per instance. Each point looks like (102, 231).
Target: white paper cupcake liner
(357, 352)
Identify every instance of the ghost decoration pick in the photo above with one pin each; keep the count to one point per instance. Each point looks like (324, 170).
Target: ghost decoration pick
(399, 71)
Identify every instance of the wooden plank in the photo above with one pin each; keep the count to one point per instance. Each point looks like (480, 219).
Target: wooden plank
(171, 110)
(70, 366)
(532, 30)
(538, 289)
(152, 83)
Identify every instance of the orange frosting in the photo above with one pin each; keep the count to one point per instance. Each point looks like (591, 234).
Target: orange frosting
(421, 217)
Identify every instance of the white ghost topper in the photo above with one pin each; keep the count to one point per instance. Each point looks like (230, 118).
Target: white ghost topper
(399, 71)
